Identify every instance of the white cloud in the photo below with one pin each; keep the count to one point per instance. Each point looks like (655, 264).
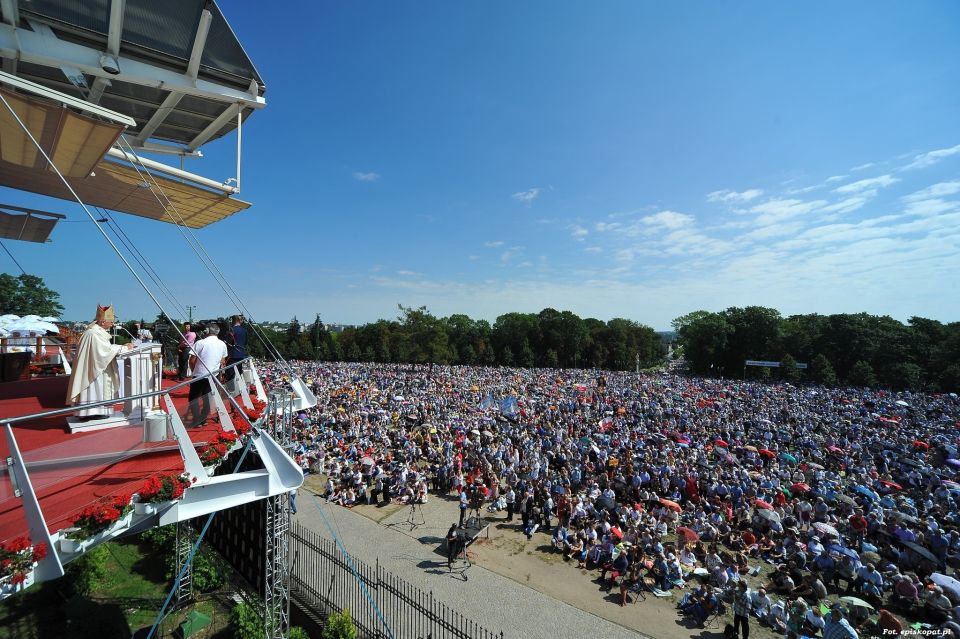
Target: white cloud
(850, 204)
(527, 197)
(728, 196)
(578, 232)
(861, 167)
(930, 158)
(836, 178)
(773, 230)
(934, 190)
(775, 211)
(408, 273)
(603, 227)
(473, 258)
(881, 181)
(510, 253)
(931, 206)
(366, 177)
(593, 249)
(668, 220)
(494, 244)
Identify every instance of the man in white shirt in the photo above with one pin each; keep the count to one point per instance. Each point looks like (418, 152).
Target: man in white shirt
(209, 356)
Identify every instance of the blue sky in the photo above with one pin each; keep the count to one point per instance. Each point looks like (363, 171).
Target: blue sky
(617, 159)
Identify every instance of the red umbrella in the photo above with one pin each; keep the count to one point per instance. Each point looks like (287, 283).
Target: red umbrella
(617, 532)
(721, 443)
(759, 503)
(672, 505)
(919, 444)
(834, 449)
(890, 484)
(799, 487)
(767, 453)
(687, 534)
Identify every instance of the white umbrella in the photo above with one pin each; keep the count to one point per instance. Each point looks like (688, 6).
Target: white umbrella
(949, 583)
(34, 326)
(900, 402)
(49, 319)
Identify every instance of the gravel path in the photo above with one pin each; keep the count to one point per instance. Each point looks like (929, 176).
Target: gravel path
(491, 600)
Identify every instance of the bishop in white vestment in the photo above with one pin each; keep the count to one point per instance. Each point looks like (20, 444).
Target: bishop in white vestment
(95, 376)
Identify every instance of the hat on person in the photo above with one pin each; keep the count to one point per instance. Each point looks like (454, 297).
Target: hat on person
(105, 314)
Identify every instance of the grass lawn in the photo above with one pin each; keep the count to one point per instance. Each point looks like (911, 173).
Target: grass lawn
(123, 601)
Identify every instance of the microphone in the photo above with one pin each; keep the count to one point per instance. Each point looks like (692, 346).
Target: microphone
(136, 340)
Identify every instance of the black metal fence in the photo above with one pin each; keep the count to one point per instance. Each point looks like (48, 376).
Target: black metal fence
(322, 580)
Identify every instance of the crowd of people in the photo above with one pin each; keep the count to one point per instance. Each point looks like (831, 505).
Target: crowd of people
(830, 512)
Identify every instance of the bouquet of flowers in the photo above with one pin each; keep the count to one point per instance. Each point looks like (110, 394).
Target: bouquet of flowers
(98, 517)
(17, 558)
(217, 448)
(163, 488)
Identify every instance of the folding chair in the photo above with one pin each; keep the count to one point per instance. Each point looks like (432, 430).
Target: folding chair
(715, 618)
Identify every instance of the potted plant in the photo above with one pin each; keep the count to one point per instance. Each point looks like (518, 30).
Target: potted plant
(104, 516)
(17, 561)
(158, 490)
(217, 449)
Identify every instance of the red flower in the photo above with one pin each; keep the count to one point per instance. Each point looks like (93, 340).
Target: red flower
(18, 578)
(20, 543)
(40, 551)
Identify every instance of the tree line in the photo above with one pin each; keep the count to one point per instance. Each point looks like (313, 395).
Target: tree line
(550, 338)
(851, 349)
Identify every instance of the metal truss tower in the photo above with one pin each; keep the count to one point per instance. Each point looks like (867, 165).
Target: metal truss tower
(276, 591)
(184, 544)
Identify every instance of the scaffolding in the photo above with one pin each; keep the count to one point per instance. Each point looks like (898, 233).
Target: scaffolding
(276, 591)
(186, 537)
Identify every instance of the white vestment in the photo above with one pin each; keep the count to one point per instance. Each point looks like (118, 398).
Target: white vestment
(95, 375)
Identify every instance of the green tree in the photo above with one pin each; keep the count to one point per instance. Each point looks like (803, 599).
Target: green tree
(339, 626)
(246, 622)
(28, 295)
(862, 375)
(821, 371)
(788, 369)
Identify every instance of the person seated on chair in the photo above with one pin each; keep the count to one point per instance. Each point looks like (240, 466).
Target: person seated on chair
(813, 621)
(702, 610)
(796, 617)
(811, 589)
(631, 581)
(777, 617)
(559, 538)
(780, 581)
(760, 603)
(616, 567)
(691, 599)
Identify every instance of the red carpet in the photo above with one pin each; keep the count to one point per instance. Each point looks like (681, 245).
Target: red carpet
(69, 471)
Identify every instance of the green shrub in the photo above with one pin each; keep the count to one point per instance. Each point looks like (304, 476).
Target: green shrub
(245, 622)
(339, 626)
(86, 572)
(296, 632)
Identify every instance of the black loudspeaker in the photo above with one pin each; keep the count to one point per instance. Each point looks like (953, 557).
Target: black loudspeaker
(15, 366)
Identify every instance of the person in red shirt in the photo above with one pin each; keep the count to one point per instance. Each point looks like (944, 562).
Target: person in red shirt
(858, 527)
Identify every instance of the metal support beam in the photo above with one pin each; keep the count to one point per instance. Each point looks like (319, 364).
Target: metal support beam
(117, 9)
(212, 128)
(166, 107)
(199, 42)
(35, 48)
(11, 12)
(169, 170)
(68, 100)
